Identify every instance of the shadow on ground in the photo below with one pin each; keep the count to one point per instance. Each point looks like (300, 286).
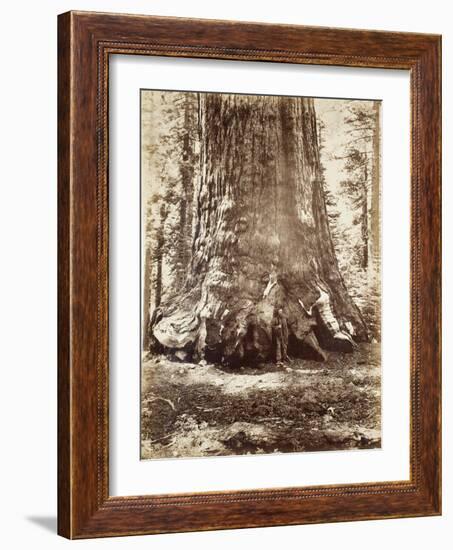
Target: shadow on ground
(48, 523)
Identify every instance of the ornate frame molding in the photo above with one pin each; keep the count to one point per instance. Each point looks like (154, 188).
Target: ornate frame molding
(86, 40)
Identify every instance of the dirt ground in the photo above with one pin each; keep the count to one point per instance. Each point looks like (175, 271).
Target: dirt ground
(191, 410)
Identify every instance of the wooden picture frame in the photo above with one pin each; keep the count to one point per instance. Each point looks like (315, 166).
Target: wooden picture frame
(85, 42)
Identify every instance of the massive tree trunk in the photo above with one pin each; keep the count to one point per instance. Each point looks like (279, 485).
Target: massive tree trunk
(261, 238)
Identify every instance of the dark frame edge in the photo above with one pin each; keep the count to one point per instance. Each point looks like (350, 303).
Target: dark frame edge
(64, 525)
(431, 141)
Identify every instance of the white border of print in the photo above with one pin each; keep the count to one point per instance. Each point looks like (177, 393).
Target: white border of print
(128, 474)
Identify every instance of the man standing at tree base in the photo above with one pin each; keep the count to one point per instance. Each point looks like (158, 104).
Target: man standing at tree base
(280, 335)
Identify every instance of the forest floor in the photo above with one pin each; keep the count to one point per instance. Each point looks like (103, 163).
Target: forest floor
(191, 410)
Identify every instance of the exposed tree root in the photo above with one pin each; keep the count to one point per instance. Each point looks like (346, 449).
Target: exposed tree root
(243, 333)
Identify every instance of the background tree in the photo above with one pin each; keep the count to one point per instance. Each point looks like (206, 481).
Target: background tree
(352, 148)
(362, 167)
(169, 161)
(376, 185)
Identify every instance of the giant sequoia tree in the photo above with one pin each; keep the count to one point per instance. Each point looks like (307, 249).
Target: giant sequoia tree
(260, 238)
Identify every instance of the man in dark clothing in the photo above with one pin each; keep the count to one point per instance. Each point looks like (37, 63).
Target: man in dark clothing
(280, 335)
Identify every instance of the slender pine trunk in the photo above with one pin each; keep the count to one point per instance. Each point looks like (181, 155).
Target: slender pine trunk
(146, 298)
(376, 185)
(364, 217)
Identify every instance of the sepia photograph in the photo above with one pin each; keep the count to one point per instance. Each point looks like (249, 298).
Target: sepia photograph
(260, 274)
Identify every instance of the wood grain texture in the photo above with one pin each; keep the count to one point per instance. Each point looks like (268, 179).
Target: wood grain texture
(86, 40)
(64, 369)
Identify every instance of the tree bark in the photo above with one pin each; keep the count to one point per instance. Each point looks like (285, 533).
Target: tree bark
(146, 298)
(364, 216)
(261, 236)
(186, 170)
(158, 283)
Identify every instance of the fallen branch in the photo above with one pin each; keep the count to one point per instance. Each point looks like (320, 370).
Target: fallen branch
(170, 444)
(163, 399)
(269, 419)
(160, 439)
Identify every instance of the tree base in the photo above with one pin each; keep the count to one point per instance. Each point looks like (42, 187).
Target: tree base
(244, 332)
